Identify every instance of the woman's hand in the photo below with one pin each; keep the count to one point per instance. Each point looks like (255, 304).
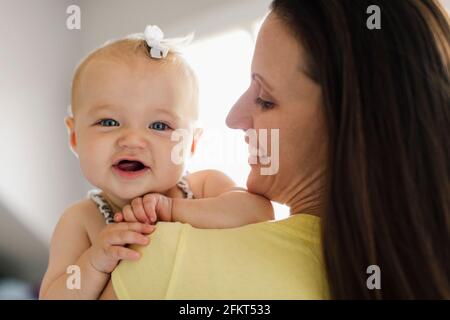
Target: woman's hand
(148, 209)
(109, 247)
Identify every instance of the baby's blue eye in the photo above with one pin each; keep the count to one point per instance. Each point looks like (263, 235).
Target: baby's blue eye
(159, 126)
(108, 123)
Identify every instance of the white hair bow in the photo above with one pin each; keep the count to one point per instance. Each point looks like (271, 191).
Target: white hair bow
(154, 36)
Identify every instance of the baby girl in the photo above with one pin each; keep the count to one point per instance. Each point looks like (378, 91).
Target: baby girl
(129, 97)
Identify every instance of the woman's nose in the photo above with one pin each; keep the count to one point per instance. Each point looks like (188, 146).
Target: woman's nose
(132, 139)
(239, 116)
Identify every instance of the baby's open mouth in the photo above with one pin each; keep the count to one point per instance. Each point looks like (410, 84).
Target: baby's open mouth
(130, 166)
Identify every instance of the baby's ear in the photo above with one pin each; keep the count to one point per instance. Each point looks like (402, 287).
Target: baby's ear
(197, 135)
(70, 124)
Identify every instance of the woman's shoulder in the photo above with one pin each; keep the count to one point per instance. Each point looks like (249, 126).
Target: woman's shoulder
(296, 238)
(295, 229)
(150, 276)
(302, 226)
(288, 260)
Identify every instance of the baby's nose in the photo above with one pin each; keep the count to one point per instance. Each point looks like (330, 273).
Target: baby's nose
(132, 139)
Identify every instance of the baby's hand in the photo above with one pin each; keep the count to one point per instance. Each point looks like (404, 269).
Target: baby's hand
(147, 209)
(109, 247)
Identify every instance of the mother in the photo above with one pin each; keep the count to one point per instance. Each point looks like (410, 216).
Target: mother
(364, 144)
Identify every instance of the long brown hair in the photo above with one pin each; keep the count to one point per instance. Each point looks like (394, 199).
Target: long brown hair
(386, 97)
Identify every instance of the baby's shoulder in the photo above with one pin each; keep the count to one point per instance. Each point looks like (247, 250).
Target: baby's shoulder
(196, 181)
(81, 209)
(84, 214)
(209, 183)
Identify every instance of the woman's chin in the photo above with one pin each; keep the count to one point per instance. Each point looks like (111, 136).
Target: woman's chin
(255, 182)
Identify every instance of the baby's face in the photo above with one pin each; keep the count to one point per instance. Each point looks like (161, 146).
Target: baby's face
(123, 123)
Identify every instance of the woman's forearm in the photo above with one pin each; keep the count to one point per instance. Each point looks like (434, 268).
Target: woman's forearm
(92, 283)
(231, 209)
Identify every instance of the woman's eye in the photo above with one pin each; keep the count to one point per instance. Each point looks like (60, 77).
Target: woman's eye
(159, 126)
(108, 123)
(264, 104)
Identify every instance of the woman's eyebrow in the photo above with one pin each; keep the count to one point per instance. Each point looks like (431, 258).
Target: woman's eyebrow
(261, 79)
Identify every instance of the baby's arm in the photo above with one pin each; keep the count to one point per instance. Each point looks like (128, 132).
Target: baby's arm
(70, 246)
(218, 204)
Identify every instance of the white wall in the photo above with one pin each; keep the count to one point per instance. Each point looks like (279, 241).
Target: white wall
(37, 56)
(106, 19)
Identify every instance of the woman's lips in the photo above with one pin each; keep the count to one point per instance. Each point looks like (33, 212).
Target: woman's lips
(130, 174)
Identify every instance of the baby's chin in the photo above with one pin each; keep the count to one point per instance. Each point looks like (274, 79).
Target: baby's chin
(122, 193)
(120, 200)
(126, 195)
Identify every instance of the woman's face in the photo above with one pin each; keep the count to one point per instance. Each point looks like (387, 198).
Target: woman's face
(281, 96)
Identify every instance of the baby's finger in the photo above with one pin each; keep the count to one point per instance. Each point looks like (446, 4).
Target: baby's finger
(123, 237)
(149, 202)
(138, 210)
(118, 217)
(122, 253)
(133, 226)
(128, 214)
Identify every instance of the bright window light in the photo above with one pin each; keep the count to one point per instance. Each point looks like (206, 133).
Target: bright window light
(222, 64)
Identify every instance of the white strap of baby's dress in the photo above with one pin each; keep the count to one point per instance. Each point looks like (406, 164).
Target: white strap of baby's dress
(103, 206)
(183, 184)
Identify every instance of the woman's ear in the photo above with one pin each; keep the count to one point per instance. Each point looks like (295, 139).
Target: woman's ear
(197, 135)
(70, 124)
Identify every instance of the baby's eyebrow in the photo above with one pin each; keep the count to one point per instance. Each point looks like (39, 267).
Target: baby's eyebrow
(101, 108)
(168, 112)
(156, 111)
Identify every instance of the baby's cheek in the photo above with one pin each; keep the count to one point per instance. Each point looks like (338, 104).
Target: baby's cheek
(170, 166)
(181, 150)
(92, 164)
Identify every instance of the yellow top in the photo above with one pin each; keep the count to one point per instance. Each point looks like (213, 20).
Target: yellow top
(268, 260)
